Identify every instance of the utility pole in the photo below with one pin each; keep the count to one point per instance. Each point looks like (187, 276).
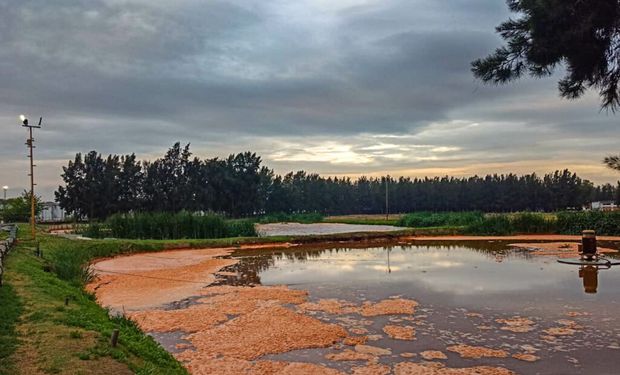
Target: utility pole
(387, 210)
(30, 144)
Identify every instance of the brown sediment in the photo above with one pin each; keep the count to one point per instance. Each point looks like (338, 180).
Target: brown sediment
(476, 352)
(389, 307)
(569, 323)
(408, 355)
(527, 357)
(331, 306)
(473, 315)
(267, 330)
(516, 324)
(145, 281)
(227, 366)
(557, 249)
(359, 330)
(192, 319)
(549, 339)
(355, 340)
(430, 355)
(350, 355)
(373, 350)
(374, 369)
(239, 300)
(574, 314)
(430, 368)
(400, 332)
(560, 331)
(223, 301)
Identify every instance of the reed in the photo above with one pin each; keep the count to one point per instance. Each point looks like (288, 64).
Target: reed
(170, 226)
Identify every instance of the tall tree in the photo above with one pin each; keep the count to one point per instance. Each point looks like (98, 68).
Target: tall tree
(583, 36)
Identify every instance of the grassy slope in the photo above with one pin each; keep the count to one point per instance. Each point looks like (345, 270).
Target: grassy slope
(39, 334)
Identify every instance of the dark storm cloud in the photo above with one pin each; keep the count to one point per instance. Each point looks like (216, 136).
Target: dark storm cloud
(313, 84)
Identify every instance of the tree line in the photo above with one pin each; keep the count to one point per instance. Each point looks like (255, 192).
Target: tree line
(96, 187)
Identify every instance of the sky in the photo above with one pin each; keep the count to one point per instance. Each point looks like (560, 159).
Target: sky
(349, 87)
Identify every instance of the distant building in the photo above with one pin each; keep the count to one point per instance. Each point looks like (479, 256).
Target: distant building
(51, 212)
(604, 206)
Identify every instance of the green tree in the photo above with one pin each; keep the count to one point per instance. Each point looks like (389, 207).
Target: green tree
(18, 209)
(583, 36)
(613, 162)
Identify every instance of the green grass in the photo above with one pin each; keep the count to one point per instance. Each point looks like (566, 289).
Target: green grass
(375, 219)
(425, 219)
(305, 218)
(10, 310)
(165, 225)
(61, 337)
(604, 223)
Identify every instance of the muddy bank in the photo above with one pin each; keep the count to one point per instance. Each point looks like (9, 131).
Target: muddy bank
(214, 327)
(234, 329)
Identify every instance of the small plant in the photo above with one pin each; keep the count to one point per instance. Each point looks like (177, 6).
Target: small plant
(76, 335)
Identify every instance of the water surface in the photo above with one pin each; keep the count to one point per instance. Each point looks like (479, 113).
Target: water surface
(462, 288)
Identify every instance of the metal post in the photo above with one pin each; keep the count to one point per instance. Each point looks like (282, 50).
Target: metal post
(387, 212)
(32, 203)
(30, 144)
(114, 338)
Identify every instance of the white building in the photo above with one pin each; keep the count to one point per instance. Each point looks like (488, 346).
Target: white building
(51, 212)
(604, 206)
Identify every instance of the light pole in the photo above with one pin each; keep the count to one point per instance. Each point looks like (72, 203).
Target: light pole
(5, 188)
(30, 144)
(387, 210)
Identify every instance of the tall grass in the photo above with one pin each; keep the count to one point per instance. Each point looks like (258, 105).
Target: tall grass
(281, 217)
(515, 223)
(424, 219)
(169, 226)
(604, 223)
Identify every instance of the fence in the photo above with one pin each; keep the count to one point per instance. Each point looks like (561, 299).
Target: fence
(6, 245)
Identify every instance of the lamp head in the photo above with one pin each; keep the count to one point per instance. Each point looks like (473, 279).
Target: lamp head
(5, 187)
(24, 120)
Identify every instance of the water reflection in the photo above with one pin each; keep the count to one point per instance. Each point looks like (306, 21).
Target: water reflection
(480, 269)
(589, 274)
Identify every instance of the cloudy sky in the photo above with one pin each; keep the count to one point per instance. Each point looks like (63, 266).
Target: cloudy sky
(339, 87)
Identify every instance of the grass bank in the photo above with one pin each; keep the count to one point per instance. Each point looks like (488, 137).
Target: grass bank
(40, 334)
